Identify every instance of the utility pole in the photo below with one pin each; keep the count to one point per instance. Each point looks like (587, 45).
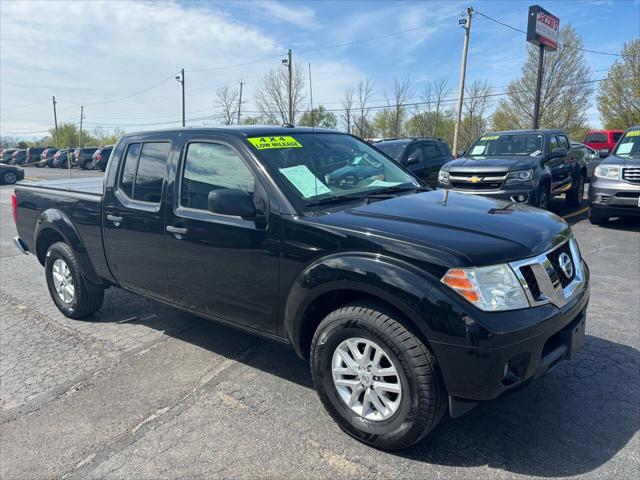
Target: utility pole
(313, 122)
(536, 107)
(240, 102)
(180, 78)
(55, 121)
(463, 70)
(290, 89)
(81, 118)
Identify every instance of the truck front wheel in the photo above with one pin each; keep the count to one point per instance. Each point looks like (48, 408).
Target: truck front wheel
(72, 293)
(376, 379)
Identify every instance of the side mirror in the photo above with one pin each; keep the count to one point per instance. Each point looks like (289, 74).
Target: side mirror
(604, 153)
(412, 161)
(232, 201)
(558, 152)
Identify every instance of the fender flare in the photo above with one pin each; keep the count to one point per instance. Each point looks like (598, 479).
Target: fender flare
(393, 281)
(56, 220)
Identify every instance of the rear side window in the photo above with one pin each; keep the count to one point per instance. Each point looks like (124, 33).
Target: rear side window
(431, 151)
(616, 136)
(212, 166)
(596, 138)
(129, 169)
(151, 171)
(444, 149)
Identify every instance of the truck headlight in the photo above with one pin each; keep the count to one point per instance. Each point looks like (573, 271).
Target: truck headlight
(443, 177)
(612, 172)
(520, 176)
(491, 289)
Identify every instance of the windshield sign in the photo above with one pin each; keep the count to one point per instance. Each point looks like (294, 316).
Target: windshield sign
(329, 167)
(521, 144)
(629, 146)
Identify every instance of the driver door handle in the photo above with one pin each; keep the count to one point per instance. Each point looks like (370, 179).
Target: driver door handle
(177, 231)
(116, 220)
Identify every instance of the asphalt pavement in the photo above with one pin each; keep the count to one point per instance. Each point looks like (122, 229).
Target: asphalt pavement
(145, 391)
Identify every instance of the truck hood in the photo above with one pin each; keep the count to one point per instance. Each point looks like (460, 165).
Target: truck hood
(470, 230)
(487, 163)
(622, 161)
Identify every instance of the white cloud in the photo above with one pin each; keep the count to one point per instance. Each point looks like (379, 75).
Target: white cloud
(85, 52)
(296, 15)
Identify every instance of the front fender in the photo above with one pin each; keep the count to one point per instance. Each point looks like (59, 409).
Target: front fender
(56, 220)
(395, 282)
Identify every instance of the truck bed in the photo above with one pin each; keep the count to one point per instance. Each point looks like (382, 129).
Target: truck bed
(92, 186)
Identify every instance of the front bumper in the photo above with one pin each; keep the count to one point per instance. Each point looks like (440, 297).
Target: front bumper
(614, 197)
(527, 195)
(546, 335)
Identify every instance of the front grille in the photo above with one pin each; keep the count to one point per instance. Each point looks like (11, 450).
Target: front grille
(532, 283)
(554, 257)
(631, 174)
(469, 180)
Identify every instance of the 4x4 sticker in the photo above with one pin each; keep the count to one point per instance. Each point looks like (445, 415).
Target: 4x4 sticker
(264, 143)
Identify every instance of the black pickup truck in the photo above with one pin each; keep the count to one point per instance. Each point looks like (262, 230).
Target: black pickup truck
(406, 301)
(524, 166)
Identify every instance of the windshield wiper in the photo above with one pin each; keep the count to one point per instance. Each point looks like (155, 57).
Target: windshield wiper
(334, 199)
(393, 190)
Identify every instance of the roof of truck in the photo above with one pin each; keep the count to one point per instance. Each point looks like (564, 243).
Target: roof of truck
(241, 130)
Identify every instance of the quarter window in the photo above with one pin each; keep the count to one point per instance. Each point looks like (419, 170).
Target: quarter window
(129, 169)
(212, 166)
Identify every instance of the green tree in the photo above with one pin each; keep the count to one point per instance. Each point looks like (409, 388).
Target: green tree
(422, 125)
(619, 98)
(565, 89)
(383, 123)
(318, 117)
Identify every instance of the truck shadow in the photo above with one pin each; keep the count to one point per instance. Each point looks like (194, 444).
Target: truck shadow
(569, 422)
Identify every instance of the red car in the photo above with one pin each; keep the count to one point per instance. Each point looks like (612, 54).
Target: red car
(602, 139)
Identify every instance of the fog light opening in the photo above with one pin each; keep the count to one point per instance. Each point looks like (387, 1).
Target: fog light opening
(519, 198)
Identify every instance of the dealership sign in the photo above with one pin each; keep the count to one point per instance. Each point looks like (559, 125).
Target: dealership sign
(543, 28)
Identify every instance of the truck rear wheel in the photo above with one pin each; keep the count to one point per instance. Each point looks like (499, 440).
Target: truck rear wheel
(575, 195)
(376, 379)
(72, 293)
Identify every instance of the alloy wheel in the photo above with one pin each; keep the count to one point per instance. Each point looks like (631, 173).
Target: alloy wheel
(63, 281)
(366, 379)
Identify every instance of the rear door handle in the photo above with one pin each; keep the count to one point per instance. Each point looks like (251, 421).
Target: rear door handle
(116, 220)
(177, 231)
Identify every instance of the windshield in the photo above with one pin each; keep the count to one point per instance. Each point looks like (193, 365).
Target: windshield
(327, 167)
(629, 146)
(525, 144)
(393, 149)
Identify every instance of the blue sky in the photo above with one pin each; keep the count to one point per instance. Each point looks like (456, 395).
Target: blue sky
(108, 55)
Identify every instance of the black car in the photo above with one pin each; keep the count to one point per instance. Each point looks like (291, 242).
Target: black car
(615, 187)
(18, 157)
(10, 174)
(101, 157)
(524, 166)
(33, 155)
(62, 157)
(83, 157)
(406, 301)
(5, 154)
(591, 156)
(423, 156)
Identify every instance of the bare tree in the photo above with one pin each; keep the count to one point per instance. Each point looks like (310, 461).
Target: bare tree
(348, 105)
(227, 102)
(475, 120)
(272, 95)
(402, 91)
(363, 95)
(435, 97)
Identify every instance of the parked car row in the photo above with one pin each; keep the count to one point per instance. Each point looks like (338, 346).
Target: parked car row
(87, 158)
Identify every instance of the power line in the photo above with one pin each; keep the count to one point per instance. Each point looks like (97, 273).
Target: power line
(25, 106)
(564, 45)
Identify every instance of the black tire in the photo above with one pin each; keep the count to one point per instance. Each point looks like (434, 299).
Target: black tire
(544, 196)
(86, 165)
(9, 178)
(87, 297)
(576, 194)
(597, 219)
(423, 400)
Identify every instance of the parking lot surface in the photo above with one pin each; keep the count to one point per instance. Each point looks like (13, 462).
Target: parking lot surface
(144, 391)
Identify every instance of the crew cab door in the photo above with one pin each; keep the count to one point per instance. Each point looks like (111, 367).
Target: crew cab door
(560, 175)
(221, 265)
(415, 161)
(133, 218)
(435, 157)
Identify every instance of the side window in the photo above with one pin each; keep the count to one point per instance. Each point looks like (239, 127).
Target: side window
(444, 149)
(416, 151)
(564, 142)
(212, 166)
(151, 171)
(431, 152)
(553, 143)
(616, 137)
(129, 169)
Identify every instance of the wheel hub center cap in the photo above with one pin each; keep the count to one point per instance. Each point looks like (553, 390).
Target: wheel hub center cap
(364, 377)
